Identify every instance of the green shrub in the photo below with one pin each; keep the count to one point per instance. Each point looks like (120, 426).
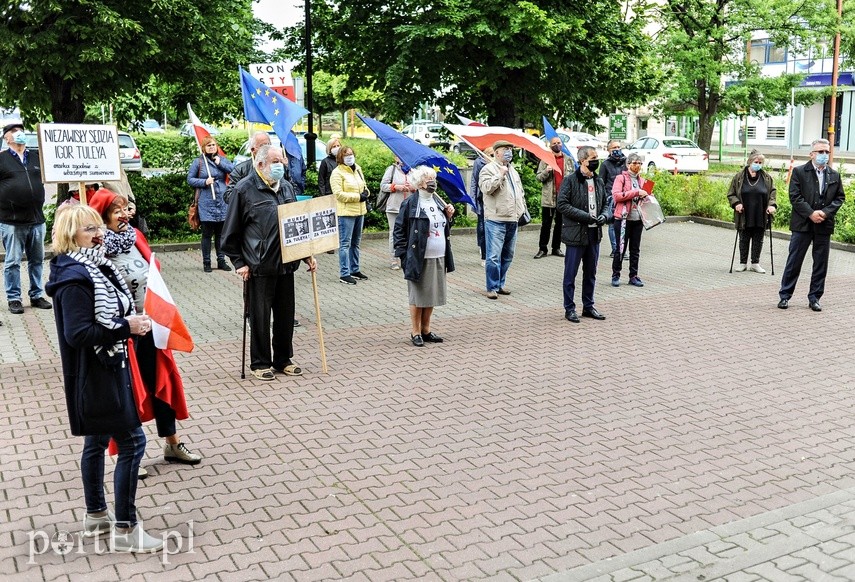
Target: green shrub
(163, 201)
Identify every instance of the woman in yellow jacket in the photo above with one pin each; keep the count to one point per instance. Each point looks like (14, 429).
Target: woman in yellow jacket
(348, 187)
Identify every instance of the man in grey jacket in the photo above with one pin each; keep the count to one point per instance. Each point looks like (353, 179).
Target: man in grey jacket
(504, 203)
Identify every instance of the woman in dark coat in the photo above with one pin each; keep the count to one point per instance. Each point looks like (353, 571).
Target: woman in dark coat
(753, 198)
(95, 316)
(208, 175)
(421, 241)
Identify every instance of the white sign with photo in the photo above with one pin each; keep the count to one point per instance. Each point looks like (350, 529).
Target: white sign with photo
(307, 228)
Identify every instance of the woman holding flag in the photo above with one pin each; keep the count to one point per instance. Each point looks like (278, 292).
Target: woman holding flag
(158, 388)
(208, 174)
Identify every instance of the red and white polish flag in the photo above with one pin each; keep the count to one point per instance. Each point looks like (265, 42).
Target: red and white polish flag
(167, 326)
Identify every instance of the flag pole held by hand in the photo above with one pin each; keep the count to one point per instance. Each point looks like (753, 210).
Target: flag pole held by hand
(245, 318)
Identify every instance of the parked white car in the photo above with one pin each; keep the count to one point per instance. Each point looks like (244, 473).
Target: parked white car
(576, 139)
(666, 153)
(428, 133)
(129, 153)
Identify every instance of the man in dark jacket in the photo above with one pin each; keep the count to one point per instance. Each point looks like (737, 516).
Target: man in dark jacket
(478, 197)
(22, 221)
(816, 193)
(251, 240)
(584, 205)
(244, 169)
(611, 169)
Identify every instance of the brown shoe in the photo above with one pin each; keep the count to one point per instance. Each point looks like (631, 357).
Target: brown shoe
(504, 291)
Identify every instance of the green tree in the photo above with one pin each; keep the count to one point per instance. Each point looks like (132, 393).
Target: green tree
(73, 52)
(513, 61)
(702, 42)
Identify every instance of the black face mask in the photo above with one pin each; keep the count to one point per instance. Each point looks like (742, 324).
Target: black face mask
(430, 186)
(593, 165)
(555, 149)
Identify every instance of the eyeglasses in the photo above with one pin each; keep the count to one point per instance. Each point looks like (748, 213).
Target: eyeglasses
(822, 151)
(92, 229)
(636, 163)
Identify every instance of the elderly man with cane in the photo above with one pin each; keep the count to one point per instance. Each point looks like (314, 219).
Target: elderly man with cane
(251, 240)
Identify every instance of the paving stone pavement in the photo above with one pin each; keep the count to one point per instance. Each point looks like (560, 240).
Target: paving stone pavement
(698, 433)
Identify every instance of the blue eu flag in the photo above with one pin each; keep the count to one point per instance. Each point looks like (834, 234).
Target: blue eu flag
(415, 154)
(262, 104)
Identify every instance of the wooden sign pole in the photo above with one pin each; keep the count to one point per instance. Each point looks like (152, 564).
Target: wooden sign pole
(82, 191)
(318, 319)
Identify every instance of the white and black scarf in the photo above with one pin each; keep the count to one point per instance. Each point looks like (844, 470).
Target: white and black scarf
(116, 243)
(111, 302)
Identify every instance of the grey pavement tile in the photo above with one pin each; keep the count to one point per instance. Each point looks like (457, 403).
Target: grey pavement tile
(522, 447)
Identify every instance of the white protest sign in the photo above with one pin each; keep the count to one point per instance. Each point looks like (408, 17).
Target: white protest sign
(307, 228)
(277, 76)
(74, 152)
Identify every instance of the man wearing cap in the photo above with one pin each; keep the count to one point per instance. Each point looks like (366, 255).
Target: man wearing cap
(504, 203)
(22, 220)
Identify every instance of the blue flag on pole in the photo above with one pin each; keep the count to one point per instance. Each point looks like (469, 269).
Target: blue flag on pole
(550, 132)
(415, 154)
(262, 104)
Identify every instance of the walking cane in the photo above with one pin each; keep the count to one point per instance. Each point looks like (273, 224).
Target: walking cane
(771, 256)
(733, 257)
(245, 318)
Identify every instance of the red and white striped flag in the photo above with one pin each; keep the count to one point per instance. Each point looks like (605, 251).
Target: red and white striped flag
(201, 132)
(481, 137)
(167, 327)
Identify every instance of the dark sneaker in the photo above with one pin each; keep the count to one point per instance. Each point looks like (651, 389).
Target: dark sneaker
(40, 303)
(636, 282)
(359, 276)
(223, 265)
(16, 307)
(347, 280)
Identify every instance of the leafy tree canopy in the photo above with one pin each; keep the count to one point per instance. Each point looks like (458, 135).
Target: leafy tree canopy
(62, 54)
(513, 61)
(704, 41)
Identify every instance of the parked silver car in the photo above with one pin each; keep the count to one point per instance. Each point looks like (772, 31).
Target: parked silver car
(129, 153)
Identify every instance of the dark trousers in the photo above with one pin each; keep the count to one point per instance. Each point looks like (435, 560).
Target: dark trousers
(631, 244)
(755, 237)
(164, 415)
(799, 243)
(549, 216)
(587, 256)
(211, 229)
(271, 295)
(480, 236)
(131, 446)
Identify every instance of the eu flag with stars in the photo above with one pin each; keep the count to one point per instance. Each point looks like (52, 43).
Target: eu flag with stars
(415, 154)
(262, 104)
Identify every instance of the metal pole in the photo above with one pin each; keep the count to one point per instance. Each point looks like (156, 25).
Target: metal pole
(310, 135)
(832, 122)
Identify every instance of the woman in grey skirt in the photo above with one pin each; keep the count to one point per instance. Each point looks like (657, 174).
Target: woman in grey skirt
(421, 242)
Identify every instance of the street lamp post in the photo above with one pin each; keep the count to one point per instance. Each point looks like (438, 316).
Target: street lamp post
(311, 136)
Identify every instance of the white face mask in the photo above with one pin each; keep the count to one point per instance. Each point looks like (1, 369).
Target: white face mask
(334, 151)
(349, 160)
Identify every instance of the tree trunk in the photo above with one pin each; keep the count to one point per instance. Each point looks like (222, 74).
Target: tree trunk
(707, 111)
(65, 105)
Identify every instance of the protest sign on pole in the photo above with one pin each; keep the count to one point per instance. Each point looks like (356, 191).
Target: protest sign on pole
(306, 229)
(277, 76)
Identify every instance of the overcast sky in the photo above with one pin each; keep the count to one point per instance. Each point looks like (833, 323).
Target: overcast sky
(279, 13)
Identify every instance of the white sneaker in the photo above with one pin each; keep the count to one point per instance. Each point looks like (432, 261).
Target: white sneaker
(95, 526)
(757, 268)
(135, 540)
(740, 267)
(180, 454)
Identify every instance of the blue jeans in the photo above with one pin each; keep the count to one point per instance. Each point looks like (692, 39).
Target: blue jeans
(588, 257)
(613, 237)
(349, 235)
(131, 450)
(501, 238)
(19, 240)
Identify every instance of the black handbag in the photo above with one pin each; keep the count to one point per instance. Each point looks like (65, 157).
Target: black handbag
(524, 218)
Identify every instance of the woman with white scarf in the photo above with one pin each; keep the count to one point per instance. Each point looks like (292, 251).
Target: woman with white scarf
(422, 243)
(95, 316)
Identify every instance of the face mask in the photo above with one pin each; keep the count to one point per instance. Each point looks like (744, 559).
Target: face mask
(349, 160)
(617, 154)
(430, 186)
(593, 165)
(755, 167)
(277, 170)
(555, 148)
(508, 155)
(334, 151)
(821, 159)
(19, 138)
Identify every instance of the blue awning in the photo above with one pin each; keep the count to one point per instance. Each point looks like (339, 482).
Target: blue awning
(824, 80)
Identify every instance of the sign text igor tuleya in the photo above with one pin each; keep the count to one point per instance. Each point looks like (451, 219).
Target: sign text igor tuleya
(73, 152)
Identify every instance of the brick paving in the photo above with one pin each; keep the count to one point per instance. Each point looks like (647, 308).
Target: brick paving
(698, 433)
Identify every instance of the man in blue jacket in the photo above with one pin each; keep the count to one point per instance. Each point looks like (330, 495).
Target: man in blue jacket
(22, 220)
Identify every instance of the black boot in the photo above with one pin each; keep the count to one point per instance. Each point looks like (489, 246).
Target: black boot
(223, 265)
(206, 266)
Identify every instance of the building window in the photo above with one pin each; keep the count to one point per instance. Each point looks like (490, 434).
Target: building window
(764, 52)
(752, 132)
(775, 133)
